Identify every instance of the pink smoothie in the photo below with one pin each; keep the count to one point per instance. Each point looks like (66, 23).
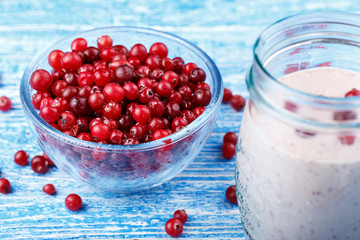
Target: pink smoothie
(294, 185)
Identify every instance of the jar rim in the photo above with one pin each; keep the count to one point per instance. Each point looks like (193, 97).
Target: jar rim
(338, 17)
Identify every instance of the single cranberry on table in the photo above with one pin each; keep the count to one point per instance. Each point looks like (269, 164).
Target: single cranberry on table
(174, 227)
(230, 194)
(5, 103)
(21, 158)
(227, 95)
(230, 137)
(5, 186)
(49, 189)
(228, 150)
(39, 164)
(237, 102)
(181, 215)
(73, 202)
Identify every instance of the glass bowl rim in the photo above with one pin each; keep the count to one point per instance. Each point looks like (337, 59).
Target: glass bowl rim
(31, 112)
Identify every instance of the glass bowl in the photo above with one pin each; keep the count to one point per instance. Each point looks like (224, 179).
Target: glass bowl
(119, 168)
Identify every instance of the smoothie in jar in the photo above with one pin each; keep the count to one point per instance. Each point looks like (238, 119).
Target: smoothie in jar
(298, 154)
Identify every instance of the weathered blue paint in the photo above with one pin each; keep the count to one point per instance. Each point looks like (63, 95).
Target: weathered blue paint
(225, 30)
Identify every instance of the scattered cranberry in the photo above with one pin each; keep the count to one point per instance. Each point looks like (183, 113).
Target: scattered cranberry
(73, 202)
(50, 163)
(231, 194)
(237, 102)
(5, 186)
(174, 227)
(227, 95)
(5, 104)
(230, 137)
(39, 164)
(181, 215)
(49, 189)
(228, 150)
(21, 158)
(354, 92)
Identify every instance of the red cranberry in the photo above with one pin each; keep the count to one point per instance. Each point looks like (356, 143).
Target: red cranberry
(197, 75)
(144, 82)
(347, 139)
(104, 42)
(69, 92)
(61, 104)
(171, 77)
(107, 54)
(188, 67)
(227, 95)
(123, 74)
(231, 194)
(36, 98)
(230, 137)
(137, 132)
(86, 137)
(102, 77)
(66, 120)
(5, 186)
(157, 73)
(228, 150)
(188, 116)
(85, 78)
(57, 74)
(153, 61)
(157, 108)
(354, 92)
(160, 133)
(145, 95)
(79, 44)
(71, 61)
(73, 202)
(237, 102)
(112, 110)
(125, 122)
(121, 49)
(202, 97)
(91, 54)
(49, 189)
(159, 49)
(172, 109)
(167, 64)
(96, 100)
(141, 114)
(79, 106)
(71, 78)
(164, 89)
(50, 163)
(131, 141)
(113, 92)
(54, 59)
(181, 215)
(155, 124)
(174, 227)
(58, 87)
(143, 71)
(21, 158)
(49, 114)
(86, 68)
(131, 90)
(116, 136)
(5, 104)
(40, 80)
(39, 164)
(139, 51)
(100, 132)
(178, 65)
(178, 123)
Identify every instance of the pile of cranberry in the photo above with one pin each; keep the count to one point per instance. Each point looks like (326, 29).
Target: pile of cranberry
(113, 95)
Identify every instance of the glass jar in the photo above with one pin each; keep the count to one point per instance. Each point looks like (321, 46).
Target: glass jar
(298, 155)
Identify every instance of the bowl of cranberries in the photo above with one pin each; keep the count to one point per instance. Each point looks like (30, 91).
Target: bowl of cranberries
(122, 108)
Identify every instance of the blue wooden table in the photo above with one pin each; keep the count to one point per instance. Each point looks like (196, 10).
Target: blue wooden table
(226, 30)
